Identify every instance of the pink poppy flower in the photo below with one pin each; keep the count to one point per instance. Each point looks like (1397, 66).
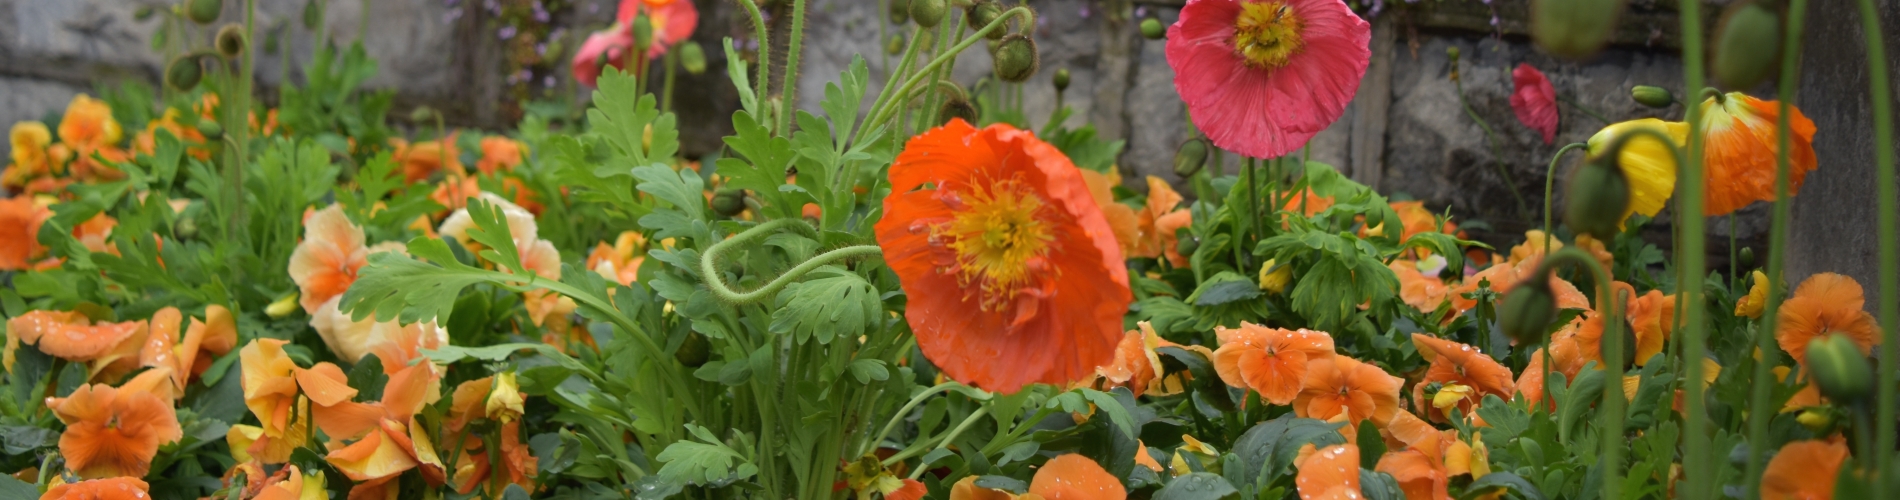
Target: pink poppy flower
(1535, 101)
(602, 49)
(672, 21)
(1261, 77)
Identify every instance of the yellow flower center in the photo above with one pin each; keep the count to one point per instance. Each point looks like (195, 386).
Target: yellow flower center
(998, 238)
(1267, 34)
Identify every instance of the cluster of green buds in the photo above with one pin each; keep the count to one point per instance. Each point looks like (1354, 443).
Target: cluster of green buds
(1573, 29)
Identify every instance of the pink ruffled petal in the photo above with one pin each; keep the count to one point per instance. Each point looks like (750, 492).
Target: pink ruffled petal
(1535, 101)
(1267, 113)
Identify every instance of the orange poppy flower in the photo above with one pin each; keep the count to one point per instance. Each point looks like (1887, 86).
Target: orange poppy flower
(89, 122)
(1271, 361)
(1739, 156)
(116, 488)
(1339, 385)
(500, 154)
(1420, 467)
(1136, 364)
(1161, 202)
(326, 261)
(113, 432)
(1422, 292)
(20, 220)
(1455, 363)
(1328, 474)
(1013, 274)
(1121, 218)
(1825, 303)
(1803, 470)
(74, 337)
(620, 262)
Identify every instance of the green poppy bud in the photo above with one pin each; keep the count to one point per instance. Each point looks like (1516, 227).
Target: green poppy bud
(312, 15)
(957, 107)
(900, 11)
(1746, 46)
(642, 31)
(694, 351)
(1747, 258)
(1186, 244)
(692, 57)
(896, 45)
(1839, 368)
(1573, 29)
(203, 11)
(1190, 157)
(185, 72)
(1152, 29)
(1452, 52)
(729, 202)
(1598, 197)
(1061, 79)
(1652, 96)
(212, 130)
(927, 13)
(1528, 310)
(230, 41)
(981, 14)
(1015, 58)
(142, 13)
(186, 228)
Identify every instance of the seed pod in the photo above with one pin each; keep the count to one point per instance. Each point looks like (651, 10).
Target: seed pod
(1061, 79)
(184, 73)
(694, 351)
(900, 11)
(1190, 157)
(1746, 46)
(312, 15)
(729, 202)
(203, 11)
(1015, 59)
(927, 13)
(692, 57)
(1152, 29)
(955, 108)
(1655, 97)
(982, 13)
(1573, 29)
(1839, 368)
(212, 130)
(1598, 197)
(1527, 310)
(230, 41)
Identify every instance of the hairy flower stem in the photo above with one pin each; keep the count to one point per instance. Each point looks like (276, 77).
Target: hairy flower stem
(788, 89)
(762, 37)
(1690, 185)
(710, 271)
(887, 104)
(1550, 181)
(1889, 297)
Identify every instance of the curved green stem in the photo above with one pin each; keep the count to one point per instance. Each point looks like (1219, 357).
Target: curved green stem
(944, 441)
(760, 35)
(1889, 254)
(911, 405)
(1550, 181)
(890, 81)
(789, 88)
(710, 271)
(885, 108)
(1611, 350)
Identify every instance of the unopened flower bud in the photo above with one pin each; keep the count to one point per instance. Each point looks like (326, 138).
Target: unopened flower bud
(282, 307)
(422, 113)
(1453, 53)
(982, 13)
(1015, 58)
(211, 129)
(1747, 258)
(1839, 368)
(1573, 29)
(1190, 157)
(1152, 29)
(1187, 245)
(1274, 276)
(1818, 420)
(1061, 79)
(312, 15)
(1527, 310)
(896, 45)
(900, 11)
(203, 11)
(957, 107)
(1652, 96)
(692, 57)
(729, 202)
(927, 13)
(694, 351)
(642, 31)
(1598, 198)
(142, 13)
(230, 41)
(1746, 45)
(184, 73)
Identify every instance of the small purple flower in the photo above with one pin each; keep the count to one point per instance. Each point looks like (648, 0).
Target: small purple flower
(1085, 11)
(547, 81)
(541, 49)
(593, 8)
(493, 7)
(506, 32)
(452, 15)
(1141, 11)
(540, 16)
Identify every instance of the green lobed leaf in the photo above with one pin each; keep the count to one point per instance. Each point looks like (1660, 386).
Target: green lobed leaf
(834, 303)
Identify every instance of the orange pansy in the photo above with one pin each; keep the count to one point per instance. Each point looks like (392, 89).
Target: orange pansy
(326, 261)
(1331, 473)
(1340, 385)
(1803, 470)
(1272, 361)
(1136, 364)
(1153, 235)
(1075, 477)
(1307, 203)
(1167, 228)
(112, 432)
(72, 336)
(1420, 467)
(1455, 363)
(20, 220)
(1012, 272)
(1739, 154)
(620, 262)
(1422, 292)
(1824, 304)
(424, 159)
(116, 488)
(1505, 276)
(500, 154)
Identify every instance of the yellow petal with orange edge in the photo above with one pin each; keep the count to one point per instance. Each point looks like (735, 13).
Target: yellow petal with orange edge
(375, 456)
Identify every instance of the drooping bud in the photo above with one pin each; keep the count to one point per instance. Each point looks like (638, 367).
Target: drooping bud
(1061, 79)
(928, 13)
(957, 107)
(1573, 29)
(1528, 310)
(1839, 368)
(694, 351)
(729, 202)
(1152, 29)
(896, 46)
(1015, 58)
(312, 15)
(185, 72)
(422, 113)
(230, 41)
(212, 130)
(203, 11)
(1453, 53)
(1598, 198)
(692, 57)
(1190, 157)
(982, 13)
(1652, 96)
(1746, 45)
(900, 11)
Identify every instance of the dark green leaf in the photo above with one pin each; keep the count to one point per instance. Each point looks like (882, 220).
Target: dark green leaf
(1502, 481)
(1196, 486)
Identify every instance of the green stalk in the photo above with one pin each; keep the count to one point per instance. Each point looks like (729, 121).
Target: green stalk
(710, 271)
(1889, 255)
(1696, 463)
(788, 89)
(945, 441)
(760, 34)
(949, 55)
(666, 86)
(1550, 181)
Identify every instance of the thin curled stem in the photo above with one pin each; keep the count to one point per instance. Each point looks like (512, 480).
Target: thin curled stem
(1550, 181)
(710, 272)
